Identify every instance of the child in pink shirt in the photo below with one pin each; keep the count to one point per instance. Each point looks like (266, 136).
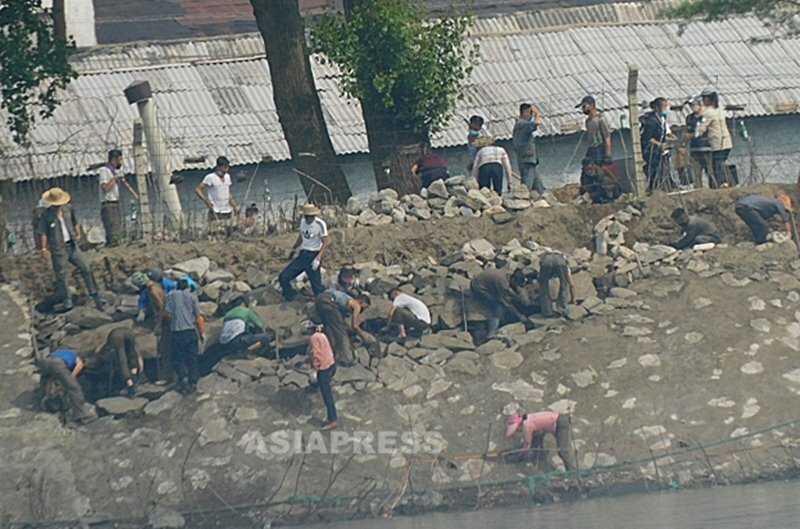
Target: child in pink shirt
(321, 358)
(536, 425)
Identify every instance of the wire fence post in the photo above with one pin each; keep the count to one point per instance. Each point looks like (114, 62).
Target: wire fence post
(633, 115)
(140, 168)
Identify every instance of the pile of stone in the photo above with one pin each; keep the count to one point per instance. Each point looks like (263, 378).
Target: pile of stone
(458, 196)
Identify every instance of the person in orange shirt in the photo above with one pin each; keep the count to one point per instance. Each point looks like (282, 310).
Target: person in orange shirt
(321, 358)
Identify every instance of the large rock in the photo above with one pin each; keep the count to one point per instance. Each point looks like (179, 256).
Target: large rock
(370, 218)
(460, 342)
(88, 317)
(479, 248)
(584, 286)
(168, 401)
(515, 204)
(121, 406)
(223, 276)
(354, 206)
(438, 189)
(194, 267)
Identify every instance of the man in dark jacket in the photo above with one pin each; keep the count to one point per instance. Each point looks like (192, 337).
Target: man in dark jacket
(654, 133)
(694, 230)
(497, 290)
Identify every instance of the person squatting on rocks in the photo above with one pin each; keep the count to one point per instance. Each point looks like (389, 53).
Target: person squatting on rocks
(524, 142)
(554, 265)
(756, 210)
(407, 313)
(599, 183)
(60, 387)
(186, 325)
(312, 241)
(332, 306)
(125, 361)
(321, 357)
(497, 290)
(59, 235)
(430, 167)
(536, 425)
(694, 230)
(110, 210)
(345, 281)
(215, 192)
(490, 165)
(243, 330)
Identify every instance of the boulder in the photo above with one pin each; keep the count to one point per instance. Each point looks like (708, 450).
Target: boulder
(459, 342)
(354, 206)
(87, 317)
(223, 276)
(479, 248)
(168, 401)
(515, 204)
(584, 286)
(197, 268)
(370, 218)
(438, 189)
(388, 194)
(121, 406)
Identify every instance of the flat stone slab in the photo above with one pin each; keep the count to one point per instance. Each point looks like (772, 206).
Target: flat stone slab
(507, 359)
(120, 406)
(166, 402)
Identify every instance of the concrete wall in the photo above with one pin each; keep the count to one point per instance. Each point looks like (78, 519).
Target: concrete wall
(79, 17)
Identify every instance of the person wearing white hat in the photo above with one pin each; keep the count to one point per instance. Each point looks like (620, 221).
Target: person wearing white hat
(59, 234)
(312, 241)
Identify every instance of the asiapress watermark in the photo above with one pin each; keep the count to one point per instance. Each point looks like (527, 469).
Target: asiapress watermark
(384, 442)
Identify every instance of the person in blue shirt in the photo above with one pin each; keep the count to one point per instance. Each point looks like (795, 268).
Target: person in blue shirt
(62, 392)
(167, 285)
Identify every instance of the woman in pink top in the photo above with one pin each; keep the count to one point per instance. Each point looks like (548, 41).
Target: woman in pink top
(536, 425)
(321, 358)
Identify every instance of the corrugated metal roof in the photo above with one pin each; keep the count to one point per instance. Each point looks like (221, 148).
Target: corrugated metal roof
(214, 96)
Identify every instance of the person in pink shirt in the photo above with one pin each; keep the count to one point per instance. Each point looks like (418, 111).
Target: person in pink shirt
(321, 358)
(535, 426)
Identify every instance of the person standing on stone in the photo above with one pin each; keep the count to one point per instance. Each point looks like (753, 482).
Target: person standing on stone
(322, 361)
(332, 306)
(694, 230)
(126, 361)
(529, 120)
(186, 325)
(555, 265)
(151, 297)
(491, 164)
(535, 426)
(715, 127)
(497, 290)
(243, 329)
(312, 241)
(215, 191)
(474, 131)
(110, 209)
(756, 210)
(598, 133)
(407, 313)
(60, 370)
(59, 234)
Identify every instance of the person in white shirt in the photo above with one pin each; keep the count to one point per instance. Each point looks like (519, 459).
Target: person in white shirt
(215, 191)
(312, 241)
(110, 211)
(490, 164)
(407, 312)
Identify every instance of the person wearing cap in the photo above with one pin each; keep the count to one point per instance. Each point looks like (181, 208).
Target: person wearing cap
(110, 211)
(535, 426)
(215, 191)
(312, 241)
(332, 306)
(699, 150)
(694, 230)
(125, 361)
(497, 290)
(491, 164)
(243, 329)
(186, 325)
(156, 275)
(719, 137)
(598, 133)
(554, 265)
(654, 134)
(321, 358)
(524, 142)
(59, 234)
(756, 210)
(61, 390)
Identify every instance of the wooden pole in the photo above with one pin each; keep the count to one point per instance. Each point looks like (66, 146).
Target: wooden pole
(633, 116)
(140, 168)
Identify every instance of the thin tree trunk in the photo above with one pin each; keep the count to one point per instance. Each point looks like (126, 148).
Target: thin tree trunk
(297, 101)
(59, 20)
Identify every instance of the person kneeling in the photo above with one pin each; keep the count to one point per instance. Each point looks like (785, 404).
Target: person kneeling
(407, 313)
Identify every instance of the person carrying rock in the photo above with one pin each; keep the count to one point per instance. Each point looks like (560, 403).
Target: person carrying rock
(407, 313)
(59, 235)
(322, 361)
(536, 425)
(530, 119)
(756, 210)
(497, 290)
(491, 164)
(554, 265)
(61, 390)
(331, 307)
(186, 324)
(126, 361)
(243, 329)
(312, 241)
(694, 230)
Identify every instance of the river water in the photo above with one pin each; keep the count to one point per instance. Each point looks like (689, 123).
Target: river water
(761, 506)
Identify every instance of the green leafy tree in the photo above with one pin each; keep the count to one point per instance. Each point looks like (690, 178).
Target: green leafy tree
(33, 62)
(781, 15)
(405, 68)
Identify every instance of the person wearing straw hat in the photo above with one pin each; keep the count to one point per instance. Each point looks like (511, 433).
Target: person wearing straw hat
(312, 241)
(756, 210)
(59, 234)
(535, 426)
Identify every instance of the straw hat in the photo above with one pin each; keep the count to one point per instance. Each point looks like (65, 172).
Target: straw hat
(56, 196)
(310, 210)
(787, 201)
(483, 141)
